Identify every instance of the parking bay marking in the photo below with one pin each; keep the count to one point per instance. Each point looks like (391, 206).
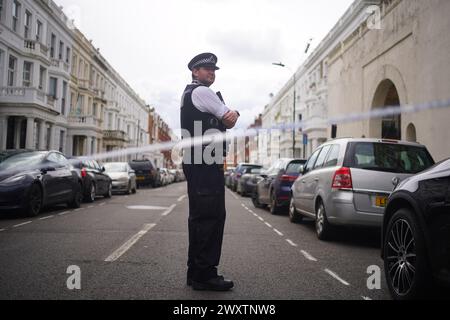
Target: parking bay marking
(181, 198)
(22, 224)
(291, 243)
(127, 245)
(47, 217)
(278, 232)
(334, 275)
(168, 211)
(308, 256)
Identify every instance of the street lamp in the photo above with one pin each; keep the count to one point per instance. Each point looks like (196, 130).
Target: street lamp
(279, 64)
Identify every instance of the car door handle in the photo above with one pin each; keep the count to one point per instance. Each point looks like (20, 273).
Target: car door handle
(316, 179)
(303, 181)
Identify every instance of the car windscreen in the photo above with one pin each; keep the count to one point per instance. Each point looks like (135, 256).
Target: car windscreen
(247, 169)
(387, 157)
(22, 160)
(294, 167)
(115, 167)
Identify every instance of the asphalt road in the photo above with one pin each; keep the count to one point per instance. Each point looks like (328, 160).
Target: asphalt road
(135, 247)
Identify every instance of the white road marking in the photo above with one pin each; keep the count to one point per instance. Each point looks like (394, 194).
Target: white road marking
(334, 275)
(308, 256)
(181, 198)
(1, 230)
(233, 195)
(278, 232)
(63, 213)
(22, 224)
(255, 214)
(366, 298)
(45, 218)
(260, 218)
(251, 211)
(168, 211)
(79, 209)
(268, 224)
(291, 243)
(146, 208)
(102, 204)
(90, 207)
(127, 245)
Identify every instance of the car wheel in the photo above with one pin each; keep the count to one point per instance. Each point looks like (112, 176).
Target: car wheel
(406, 264)
(129, 188)
(134, 190)
(256, 202)
(274, 208)
(92, 192)
(323, 228)
(77, 199)
(34, 201)
(294, 216)
(109, 192)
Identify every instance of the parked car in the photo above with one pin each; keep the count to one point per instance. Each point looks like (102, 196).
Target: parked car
(228, 173)
(95, 181)
(274, 189)
(32, 180)
(347, 181)
(146, 173)
(165, 176)
(7, 153)
(416, 234)
(123, 177)
(240, 170)
(247, 183)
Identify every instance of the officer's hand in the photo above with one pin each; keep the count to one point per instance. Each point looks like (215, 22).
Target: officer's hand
(230, 118)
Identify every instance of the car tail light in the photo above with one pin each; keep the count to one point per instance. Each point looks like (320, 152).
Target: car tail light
(83, 173)
(342, 179)
(287, 178)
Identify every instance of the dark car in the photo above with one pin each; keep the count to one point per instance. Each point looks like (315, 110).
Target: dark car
(94, 179)
(247, 183)
(146, 173)
(7, 153)
(32, 180)
(416, 234)
(240, 171)
(228, 175)
(274, 189)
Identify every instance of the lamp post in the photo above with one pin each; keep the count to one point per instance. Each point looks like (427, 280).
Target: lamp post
(279, 64)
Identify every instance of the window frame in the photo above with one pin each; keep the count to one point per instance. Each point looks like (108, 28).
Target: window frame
(11, 81)
(16, 15)
(27, 83)
(27, 24)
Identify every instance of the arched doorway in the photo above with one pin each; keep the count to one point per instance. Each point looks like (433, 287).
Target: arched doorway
(388, 127)
(411, 134)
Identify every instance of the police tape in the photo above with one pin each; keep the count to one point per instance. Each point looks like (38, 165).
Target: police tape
(218, 137)
(229, 136)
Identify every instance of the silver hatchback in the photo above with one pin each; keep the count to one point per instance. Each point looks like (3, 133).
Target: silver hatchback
(347, 181)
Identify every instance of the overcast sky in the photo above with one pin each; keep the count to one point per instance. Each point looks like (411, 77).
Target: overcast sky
(150, 42)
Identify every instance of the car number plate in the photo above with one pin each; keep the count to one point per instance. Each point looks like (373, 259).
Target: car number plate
(381, 201)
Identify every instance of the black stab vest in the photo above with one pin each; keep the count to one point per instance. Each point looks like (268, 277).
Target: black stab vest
(190, 114)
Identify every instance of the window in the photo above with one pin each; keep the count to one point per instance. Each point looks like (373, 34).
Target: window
(67, 55)
(1, 61)
(12, 66)
(333, 156)
(63, 99)
(15, 15)
(1, 10)
(42, 77)
(52, 46)
(38, 30)
(312, 161)
(321, 159)
(53, 87)
(95, 110)
(27, 25)
(61, 50)
(27, 74)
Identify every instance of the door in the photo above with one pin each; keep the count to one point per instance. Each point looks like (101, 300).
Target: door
(314, 180)
(58, 182)
(264, 186)
(303, 188)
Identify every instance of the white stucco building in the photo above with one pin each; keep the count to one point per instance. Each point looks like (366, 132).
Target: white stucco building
(57, 91)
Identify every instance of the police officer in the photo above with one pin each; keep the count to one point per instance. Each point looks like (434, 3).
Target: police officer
(203, 108)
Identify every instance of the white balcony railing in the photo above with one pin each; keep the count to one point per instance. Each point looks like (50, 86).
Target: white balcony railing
(84, 121)
(25, 95)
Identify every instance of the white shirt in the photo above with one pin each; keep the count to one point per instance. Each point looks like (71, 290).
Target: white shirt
(205, 100)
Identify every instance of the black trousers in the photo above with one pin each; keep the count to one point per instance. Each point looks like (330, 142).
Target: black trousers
(206, 189)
